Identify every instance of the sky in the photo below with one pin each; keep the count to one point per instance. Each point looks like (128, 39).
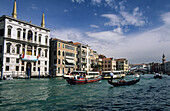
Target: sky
(138, 30)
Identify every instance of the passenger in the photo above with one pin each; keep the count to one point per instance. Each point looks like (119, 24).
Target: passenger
(111, 75)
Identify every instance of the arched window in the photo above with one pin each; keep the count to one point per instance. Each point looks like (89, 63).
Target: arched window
(63, 53)
(35, 49)
(29, 50)
(39, 52)
(46, 52)
(59, 61)
(18, 48)
(18, 33)
(9, 30)
(39, 38)
(59, 53)
(23, 48)
(8, 49)
(29, 35)
(46, 40)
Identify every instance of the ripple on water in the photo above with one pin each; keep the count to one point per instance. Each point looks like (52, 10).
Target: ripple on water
(56, 94)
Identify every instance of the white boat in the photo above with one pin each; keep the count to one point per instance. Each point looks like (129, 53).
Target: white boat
(73, 74)
(8, 77)
(116, 74)
(137, 75)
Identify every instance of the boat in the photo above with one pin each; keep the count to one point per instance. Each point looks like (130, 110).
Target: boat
(73, 74)
(7, 77)
(116, 74)
(123, 82)
(157, 75)
(136, 75)
(83, 80)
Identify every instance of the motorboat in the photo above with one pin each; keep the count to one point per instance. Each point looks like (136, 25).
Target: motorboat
(157, 75)
(136, 75)
(73, 74)
(83, 80)
(7, 77)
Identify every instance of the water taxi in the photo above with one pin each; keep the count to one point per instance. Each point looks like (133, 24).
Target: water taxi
(73, 74)
(89, 77)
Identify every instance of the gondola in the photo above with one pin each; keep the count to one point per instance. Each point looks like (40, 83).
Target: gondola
(83, 80)
(123, 82)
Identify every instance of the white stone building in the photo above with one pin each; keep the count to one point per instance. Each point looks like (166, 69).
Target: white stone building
(24, 47)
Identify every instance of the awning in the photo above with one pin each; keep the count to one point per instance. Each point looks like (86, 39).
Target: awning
(70, 61)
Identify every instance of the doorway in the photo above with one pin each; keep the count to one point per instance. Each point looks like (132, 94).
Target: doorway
(28, 69)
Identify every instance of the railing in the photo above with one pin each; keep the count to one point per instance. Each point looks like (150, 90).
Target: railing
(18, 74)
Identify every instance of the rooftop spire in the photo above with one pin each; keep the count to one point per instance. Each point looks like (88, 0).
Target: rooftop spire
(43, 21)
(14, 13)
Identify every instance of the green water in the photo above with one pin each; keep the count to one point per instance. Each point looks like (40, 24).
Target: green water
(54, 94)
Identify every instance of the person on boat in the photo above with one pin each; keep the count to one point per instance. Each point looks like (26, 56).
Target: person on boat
(111, 75)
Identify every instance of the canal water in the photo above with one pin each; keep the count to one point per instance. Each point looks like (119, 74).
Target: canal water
(54, 94)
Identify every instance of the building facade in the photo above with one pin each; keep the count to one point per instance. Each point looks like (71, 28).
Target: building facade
(24, 47)
(108, 64)
(62, 57)
(167, 67)
(93, 60)
(122, 64)
(83, 57)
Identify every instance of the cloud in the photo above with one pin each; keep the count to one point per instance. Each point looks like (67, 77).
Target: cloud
(34, 7)
(166, 18)
(67, 34)
(94, 26)
(142, 47)
(78, 1)
(125, 18)
(65, 10)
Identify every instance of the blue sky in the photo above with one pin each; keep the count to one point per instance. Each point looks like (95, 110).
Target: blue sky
(134, 29)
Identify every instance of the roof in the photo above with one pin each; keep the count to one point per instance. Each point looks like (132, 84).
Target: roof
(76, 43)
(122, 59)
(28, 23)
(68, 42)
(107, 58)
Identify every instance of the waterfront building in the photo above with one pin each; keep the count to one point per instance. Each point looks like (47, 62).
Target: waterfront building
(24, 47)
(167, 67)
(155, 67)
(122, 64)
(108, 64)
(93, 60)
(62, 57)
(83, 57)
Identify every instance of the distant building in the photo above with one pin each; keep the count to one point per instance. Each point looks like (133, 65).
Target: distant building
(122, 64)
(108, 64)
(62, 57)
(155, 67)
(24, 47)
(167, 67)
(83, 57)
(140, 67)
(93, 60)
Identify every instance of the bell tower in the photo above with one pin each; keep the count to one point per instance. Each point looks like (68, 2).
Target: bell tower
(163, 59)
(43, 21)
(14, 13)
